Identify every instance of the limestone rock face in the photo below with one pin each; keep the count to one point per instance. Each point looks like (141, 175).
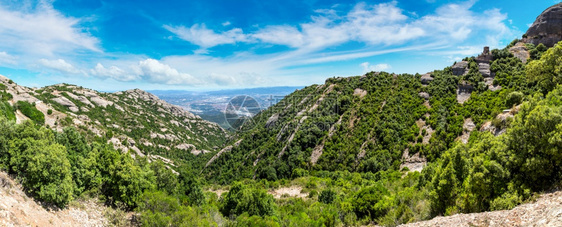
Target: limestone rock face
(66, 102)
(547, 28)
(520, 51)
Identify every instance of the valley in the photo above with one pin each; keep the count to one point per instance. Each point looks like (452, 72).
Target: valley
(476, 143)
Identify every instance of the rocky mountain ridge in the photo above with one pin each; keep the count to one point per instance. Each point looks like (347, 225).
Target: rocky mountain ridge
(132, 120)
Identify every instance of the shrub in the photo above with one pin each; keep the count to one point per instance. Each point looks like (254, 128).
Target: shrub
(514, 98)
(371, 201)
(298, 172)
(327, 196)
(241, 199)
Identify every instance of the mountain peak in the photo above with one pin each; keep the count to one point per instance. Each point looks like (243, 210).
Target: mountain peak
(547, 28)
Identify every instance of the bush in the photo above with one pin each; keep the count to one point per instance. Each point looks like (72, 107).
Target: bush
(298, 172)
(312, 194)
(327, 196)
(241, 199)
(372, 201)
(514, 98)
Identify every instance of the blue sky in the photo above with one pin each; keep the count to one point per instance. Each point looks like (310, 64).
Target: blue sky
(221, 44)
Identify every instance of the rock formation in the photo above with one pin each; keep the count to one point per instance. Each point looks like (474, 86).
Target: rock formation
(520, 51)
(547, 28)
(460, 68)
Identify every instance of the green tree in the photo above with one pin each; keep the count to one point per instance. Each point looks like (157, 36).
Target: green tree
(190, 187)
(327, 196)
(166, 180)
(372, 201)
(546, 72)
(241, 199)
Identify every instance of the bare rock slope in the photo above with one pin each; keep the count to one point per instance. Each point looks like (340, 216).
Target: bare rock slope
(545, 211)
(17, 209)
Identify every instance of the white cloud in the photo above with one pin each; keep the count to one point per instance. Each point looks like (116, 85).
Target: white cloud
(367, 67)
(7, 58)
(381, 24)
(154, 71)
(281, 35)
(226, 23)
(59, 65)
(42, 31)
(113, 72)
(377, 24)
(200, 35)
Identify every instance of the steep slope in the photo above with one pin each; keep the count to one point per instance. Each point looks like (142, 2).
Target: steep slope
(17, 209)
(357, 123)
(132, 120)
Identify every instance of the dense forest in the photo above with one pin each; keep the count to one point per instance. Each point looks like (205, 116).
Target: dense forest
(342, 143)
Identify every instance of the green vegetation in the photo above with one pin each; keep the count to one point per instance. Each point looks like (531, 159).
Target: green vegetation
(362, 126)
(30, 111)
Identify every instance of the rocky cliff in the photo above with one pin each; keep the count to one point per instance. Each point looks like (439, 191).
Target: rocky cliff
(547, 28)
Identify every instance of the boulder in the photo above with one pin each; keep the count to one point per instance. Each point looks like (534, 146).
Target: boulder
(424, 95)
(426, 79)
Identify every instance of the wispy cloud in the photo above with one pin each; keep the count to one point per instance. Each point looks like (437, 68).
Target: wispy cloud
(200, 35)
(59, 65)
(378, 24)
(42, 31)
(6, 58)
(367, 67)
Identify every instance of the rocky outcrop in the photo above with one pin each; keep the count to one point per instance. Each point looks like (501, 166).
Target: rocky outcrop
(67, 103)
(99, 101)
(426, 79)
(463, 92)
(155, 101)
(547, 27)
(460, 68)
(424, 95)
(271, 121)
(414, 163)
(80, 98)
(359, 92)
(467, 127)
(520, 51)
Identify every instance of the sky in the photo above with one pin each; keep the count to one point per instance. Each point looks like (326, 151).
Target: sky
(224, 44)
